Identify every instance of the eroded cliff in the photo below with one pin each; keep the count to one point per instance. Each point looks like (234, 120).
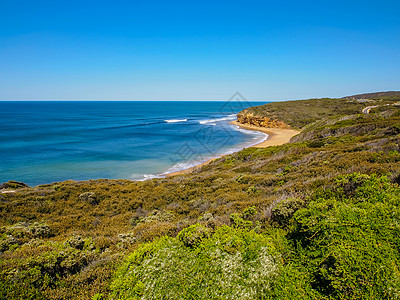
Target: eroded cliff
(245, 117)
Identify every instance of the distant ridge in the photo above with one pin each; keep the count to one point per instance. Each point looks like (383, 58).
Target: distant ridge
(374, 95)
(299, 113)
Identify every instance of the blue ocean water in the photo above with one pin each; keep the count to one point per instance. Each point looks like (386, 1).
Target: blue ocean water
(47, 141)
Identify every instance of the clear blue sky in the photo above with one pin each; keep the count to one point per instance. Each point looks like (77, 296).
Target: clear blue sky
(197, 50)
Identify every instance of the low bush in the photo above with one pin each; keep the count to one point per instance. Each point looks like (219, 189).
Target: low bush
(194, 235)
(21, 233)
(37, 266)
(230, 264)
(283, 212)
(348, 240)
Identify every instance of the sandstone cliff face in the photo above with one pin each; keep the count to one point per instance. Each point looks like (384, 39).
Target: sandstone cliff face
(250, 119)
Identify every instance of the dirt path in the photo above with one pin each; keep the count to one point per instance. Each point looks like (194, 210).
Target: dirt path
(7, 191)
(368, 108)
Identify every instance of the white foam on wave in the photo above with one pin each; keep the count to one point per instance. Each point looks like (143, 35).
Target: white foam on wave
(186, 165)
(258, 136)
(146, 177)
(228, 118)
(176, 120)
(180, 166)
(247, 131)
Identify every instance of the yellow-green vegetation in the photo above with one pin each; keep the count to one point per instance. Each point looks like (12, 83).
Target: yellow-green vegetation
(343, 244)
(299, 113)
(229, 264)
(317, 218)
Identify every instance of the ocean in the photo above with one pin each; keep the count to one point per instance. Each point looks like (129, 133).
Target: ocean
(48, 141)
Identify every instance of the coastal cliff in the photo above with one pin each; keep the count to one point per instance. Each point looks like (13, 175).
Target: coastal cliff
(248, 118)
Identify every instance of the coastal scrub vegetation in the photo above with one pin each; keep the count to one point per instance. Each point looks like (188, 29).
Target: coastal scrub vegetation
(300, 113)
(227, 264)
(343, 244)
(316, 218)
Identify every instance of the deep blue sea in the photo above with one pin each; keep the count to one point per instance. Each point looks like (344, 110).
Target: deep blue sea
(47, 141)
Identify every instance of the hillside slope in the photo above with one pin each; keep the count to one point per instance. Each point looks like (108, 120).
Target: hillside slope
(299, 113)
(377, 95)
(319, 214)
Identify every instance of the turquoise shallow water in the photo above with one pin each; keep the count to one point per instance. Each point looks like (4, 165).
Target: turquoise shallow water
(44, 141)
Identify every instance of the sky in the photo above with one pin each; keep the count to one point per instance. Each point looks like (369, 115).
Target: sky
(197, 50)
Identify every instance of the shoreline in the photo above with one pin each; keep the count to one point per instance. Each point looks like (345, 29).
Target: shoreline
(276, 137)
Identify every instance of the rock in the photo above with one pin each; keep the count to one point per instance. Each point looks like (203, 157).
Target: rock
(250, 119)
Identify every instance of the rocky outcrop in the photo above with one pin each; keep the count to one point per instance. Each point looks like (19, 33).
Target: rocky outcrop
(251, 119)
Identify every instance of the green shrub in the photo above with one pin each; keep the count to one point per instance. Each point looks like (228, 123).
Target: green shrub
(243, 179)
(238, 222)
(23, 232)
(347, 185)
(37, 266)
(7, 242)
(77, 242)
(249, 213)
(316, 144)
(192, 236)
(230, 264)
(350, 245)
(284, 210)
(40, 230)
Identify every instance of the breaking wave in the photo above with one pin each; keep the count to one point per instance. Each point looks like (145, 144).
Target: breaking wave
(228, 118)
(176, 120)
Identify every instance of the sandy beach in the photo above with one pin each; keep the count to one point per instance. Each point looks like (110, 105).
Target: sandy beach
(276, 136)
